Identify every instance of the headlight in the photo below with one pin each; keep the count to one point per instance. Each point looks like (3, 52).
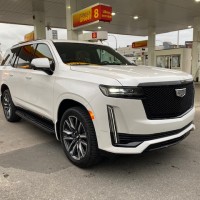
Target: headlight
(122, 92)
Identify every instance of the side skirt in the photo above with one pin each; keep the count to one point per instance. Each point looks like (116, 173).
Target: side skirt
(43, 123)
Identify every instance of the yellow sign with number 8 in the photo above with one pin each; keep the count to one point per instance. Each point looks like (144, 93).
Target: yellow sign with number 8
(91, 14)
(96, 13)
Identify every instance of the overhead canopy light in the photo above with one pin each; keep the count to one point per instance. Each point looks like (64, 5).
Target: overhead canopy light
(136, 17)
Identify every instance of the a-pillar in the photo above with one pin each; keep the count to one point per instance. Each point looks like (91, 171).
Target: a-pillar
(196, 50)
(71, 7)
(39, 19)
(151, 46)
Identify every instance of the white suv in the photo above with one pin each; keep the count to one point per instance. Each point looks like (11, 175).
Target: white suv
(93, 99)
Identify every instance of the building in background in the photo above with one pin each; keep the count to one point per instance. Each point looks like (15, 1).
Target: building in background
(174, 58)
(137, 52)
(167, 55)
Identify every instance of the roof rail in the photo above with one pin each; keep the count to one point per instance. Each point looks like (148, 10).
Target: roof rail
(24, 42)
(19, 43)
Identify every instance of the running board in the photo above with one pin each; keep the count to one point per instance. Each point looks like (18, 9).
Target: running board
(42, 123)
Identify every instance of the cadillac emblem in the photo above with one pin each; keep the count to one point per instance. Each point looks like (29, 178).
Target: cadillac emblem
(180, 92)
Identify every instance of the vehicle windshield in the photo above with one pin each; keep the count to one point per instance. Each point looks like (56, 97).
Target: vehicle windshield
(89, 54)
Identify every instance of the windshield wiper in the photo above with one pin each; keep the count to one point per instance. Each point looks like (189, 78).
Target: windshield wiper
(79, 64)
(112, 64)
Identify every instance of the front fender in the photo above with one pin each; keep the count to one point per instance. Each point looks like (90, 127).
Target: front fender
(74, 97)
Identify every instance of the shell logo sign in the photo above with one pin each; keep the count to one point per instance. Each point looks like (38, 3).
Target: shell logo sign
(139, 44)
(94, 35)
(92, 14)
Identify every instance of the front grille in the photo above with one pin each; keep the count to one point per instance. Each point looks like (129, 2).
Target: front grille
(161, 102)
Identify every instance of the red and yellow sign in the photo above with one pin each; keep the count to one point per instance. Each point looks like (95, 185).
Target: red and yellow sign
(29, 36)
(94, 35)
(139, 44)
(97, 12)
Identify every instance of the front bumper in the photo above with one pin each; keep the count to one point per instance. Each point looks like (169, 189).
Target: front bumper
(127, 140)
(130, 118)
(152, 144)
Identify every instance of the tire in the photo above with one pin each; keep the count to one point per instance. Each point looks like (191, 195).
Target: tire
(78, 137)
(9, 108)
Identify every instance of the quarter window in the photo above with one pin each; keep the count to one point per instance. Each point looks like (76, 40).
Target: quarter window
(13, 56)
(7, 57)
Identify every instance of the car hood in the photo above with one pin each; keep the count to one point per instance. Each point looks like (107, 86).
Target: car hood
(134, 75)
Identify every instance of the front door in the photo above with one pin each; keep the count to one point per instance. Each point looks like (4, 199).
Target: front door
(39, 86)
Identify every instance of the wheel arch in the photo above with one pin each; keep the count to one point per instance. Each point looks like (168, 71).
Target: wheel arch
(63, 106)
(3, 88)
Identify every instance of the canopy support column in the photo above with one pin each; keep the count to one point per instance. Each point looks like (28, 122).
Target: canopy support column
(151, 46)
(39, 19)
(196, 50)
(71, 7)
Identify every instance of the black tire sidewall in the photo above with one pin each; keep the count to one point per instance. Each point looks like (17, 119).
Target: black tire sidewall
(78, 112)
(9, 96)
(13, 117)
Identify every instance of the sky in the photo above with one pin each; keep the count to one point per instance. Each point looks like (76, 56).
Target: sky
(12, 34)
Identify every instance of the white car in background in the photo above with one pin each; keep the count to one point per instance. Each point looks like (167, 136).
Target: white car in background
(93, 99)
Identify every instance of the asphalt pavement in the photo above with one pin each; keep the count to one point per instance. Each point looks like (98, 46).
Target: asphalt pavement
(34, 167)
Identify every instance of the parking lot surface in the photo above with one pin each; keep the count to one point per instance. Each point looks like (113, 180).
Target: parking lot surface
(33, 166)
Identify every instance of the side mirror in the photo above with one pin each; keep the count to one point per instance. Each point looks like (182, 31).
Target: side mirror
(42, 64)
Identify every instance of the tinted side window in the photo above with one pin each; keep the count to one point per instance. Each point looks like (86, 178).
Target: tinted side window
(12, 58)
(25, 57)
(43, 51)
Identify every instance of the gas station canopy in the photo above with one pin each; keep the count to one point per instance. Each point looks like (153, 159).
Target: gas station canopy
(163, 15)
(130, 17)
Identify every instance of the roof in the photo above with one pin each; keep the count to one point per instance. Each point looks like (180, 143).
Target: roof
(46, 40)
(164, 15)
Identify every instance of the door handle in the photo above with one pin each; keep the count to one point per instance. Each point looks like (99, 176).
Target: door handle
(28, 77)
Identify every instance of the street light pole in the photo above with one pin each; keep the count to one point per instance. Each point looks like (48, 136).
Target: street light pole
(115, 39)
(178, 36)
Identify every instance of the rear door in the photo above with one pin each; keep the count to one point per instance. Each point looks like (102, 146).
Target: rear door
(6, 69)
(21, 68)
(9, 76)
